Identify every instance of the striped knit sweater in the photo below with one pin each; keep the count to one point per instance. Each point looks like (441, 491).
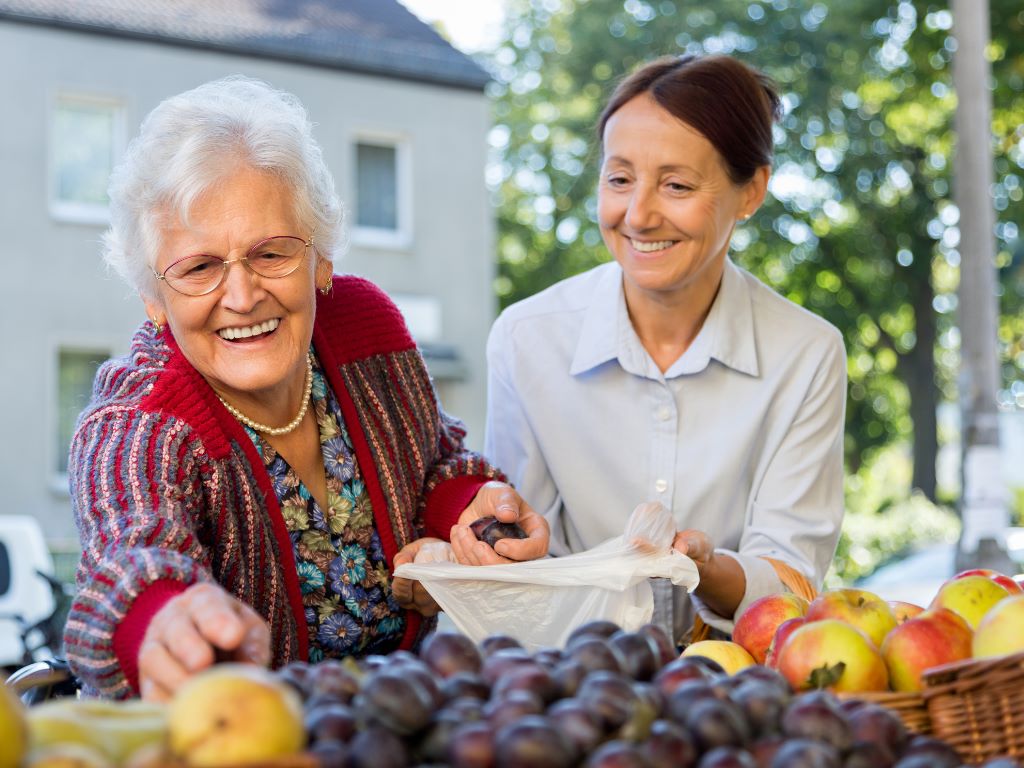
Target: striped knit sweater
(168, 490)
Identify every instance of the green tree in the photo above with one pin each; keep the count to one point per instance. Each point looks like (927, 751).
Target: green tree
(860, 229)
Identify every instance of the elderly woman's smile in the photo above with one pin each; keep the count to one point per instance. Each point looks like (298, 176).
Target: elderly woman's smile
(250, 332)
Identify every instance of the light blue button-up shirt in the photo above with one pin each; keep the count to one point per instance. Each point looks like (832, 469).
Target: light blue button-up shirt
(742, 437)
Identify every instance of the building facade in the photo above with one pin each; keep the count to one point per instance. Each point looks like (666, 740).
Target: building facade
(402, 118)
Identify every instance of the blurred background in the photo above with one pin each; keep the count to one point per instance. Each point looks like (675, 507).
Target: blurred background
(460, 133)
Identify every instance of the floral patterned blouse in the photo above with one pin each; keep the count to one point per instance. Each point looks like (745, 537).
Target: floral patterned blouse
(343, 574)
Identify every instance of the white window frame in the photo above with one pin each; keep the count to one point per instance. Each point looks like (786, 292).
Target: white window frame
(377, 237)
(58, 481)
(70, 210)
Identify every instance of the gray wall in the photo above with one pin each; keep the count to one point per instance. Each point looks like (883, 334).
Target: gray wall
(54, 287)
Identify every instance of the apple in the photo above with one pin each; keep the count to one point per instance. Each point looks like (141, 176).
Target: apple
(732, 656)
(933, 637)
(1001, 631)
(832, 654)
(902, 611)
(857, 607)
(785, 629)
(1001, 579)
(970, 596)
(756, 626)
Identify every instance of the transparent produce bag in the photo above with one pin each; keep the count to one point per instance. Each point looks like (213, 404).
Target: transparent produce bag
(539, 602)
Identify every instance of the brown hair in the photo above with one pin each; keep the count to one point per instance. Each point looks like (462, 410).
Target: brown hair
(732, 104)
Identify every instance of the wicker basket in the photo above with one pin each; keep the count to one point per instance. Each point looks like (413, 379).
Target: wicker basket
(909, 706)
(977, 705)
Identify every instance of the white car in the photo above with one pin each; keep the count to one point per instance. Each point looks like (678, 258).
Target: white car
(25, 596)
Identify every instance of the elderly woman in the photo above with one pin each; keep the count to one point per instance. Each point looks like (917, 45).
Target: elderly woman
(670, 373)
(246, 479)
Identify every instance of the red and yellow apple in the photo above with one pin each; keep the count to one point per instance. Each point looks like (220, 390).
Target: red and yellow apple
(857, 607)
(731, 656)
(786, 628)
(934, 637)
(1001, 631)
(970, 596)
(902, 611)
(756, 626)
(1001, 579)
(832, 654)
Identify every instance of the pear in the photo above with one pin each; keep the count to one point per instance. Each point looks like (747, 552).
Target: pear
(115, 729)
(13, 732)
(234, 714)
(67, 756)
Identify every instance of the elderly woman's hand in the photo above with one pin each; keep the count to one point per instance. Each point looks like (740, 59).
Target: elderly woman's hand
(502, 501)
(202, 625)
(410, 594)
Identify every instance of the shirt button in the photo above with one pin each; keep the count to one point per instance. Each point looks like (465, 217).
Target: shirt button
(661, 486)
(664, 413)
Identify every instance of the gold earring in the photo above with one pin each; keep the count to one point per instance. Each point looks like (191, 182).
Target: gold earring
(325, 289)
(156, 324)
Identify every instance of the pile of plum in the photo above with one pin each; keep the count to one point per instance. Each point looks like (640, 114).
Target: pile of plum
(610, 699)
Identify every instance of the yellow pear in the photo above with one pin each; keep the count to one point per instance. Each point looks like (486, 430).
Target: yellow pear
(732, 656)
(13, 732)
(234, 714)
(67, 756)
(114, 728)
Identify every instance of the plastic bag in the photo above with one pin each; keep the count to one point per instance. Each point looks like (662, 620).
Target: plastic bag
(539, 602)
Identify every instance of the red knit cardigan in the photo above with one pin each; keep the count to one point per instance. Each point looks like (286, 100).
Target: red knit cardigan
(168, 490)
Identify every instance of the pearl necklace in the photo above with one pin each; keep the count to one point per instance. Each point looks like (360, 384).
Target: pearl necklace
(291, 425)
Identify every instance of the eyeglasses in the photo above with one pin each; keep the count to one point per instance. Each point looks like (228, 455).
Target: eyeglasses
(202, 273)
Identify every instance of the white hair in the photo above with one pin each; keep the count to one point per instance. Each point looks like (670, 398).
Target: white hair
(192, 141)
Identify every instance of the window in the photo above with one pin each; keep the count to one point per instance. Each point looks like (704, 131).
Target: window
(86, 137)
(76, 370)
(382, 193)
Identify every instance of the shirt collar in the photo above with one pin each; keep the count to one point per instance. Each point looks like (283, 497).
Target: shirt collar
(728, 334)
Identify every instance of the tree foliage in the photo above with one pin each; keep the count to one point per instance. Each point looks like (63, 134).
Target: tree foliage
(860, 229)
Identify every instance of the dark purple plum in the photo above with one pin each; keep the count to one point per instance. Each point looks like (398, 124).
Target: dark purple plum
(763, 704)
(617, 754)
(463, 684)
(377, 748)
(816, 715)
(717, 723)
(533, 742)
(639, 654)
(806, 753)
(497, 664)
(568, 675)
(595, 653)
(329, 754)
(332, 678)
(584, 729)
(395, 701)
(667, 650)
(763, 750)
(471, 746)
(867, 754)
(878, 725)
(527, 677)
(449, 652)
(490, 530)
(676, 672)
(669, 745)
(493, 643)
(727, 757)
(685, 695)
(330, 722)
(599, 628)
(937, 751)
(514, 705)
(610, 696)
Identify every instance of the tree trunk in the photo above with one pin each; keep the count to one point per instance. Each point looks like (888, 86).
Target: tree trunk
(917, 369)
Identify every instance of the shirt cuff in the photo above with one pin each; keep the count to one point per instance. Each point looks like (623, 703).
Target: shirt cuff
(132, 628)
(448, 501)
(761, 581)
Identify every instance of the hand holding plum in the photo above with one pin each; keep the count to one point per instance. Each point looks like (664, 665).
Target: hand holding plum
(503, 502)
